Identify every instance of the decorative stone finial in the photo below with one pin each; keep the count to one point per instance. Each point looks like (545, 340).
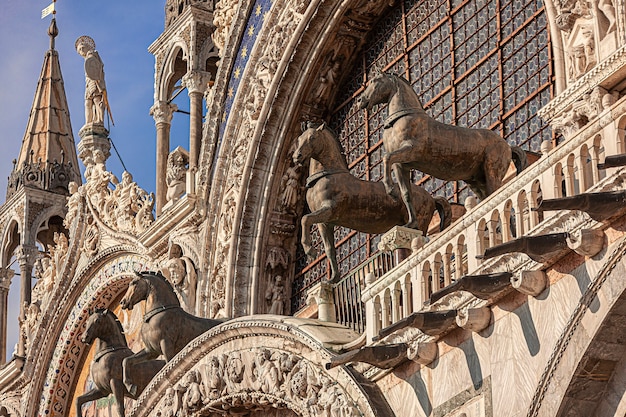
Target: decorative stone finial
(53, 32)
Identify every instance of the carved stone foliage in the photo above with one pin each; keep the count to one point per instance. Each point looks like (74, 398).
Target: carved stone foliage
(222, 19)
(584, 110)
(255, 380)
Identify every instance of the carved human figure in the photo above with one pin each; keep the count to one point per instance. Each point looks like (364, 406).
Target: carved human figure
(177, 164)
(327, 81)
(181, 273)
(95, 88)
(275, 296)
(29, 323)
(608, 10)
(235, 370)
(73, 204)
(192, 394)
(212, 378)
(266, 372)
(290, 184)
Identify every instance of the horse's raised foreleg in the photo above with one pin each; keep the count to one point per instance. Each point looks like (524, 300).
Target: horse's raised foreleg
(129, 362)
(118, 392)
(327, 232)
(92, 395)
(403, 175)
(398, 156)
(308, 220)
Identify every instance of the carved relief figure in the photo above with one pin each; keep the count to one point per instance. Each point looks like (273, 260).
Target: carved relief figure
(192, 395)
(327, 82)
(290, 185)
(275, 296)
(177, 164)
(181, 273)
(266, 372)
(212, 378)
(95, 89)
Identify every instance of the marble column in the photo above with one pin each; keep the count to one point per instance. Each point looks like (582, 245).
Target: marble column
(196, 83)
(6, 275)
(26, 256)
(162, 111)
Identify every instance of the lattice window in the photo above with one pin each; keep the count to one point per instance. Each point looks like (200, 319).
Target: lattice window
(473, 63)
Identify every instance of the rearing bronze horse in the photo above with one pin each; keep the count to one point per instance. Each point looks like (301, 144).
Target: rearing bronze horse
(337, 198)
(106, 367)
(166, 328)
(414, 140)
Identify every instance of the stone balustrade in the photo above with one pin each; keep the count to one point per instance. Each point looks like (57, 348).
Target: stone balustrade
(569, 169)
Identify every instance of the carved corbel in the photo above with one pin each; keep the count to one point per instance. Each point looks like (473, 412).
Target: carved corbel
(474, 319)
(423, 353)
(586, 242)
(530, 282)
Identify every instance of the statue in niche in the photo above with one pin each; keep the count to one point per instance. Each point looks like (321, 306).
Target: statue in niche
(96, 101)
(327, 82)
(290, 185)
(275, 296)
(177, 165)
(181, 273)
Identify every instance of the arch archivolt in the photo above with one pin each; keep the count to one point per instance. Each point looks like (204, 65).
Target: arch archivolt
(256, 364)
(62, 353)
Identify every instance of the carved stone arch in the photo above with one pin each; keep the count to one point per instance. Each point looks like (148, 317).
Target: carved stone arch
(208, 52)
(62, 355)
(589, 322)
(263, 363)
(11, 402)
(164, 81)
(256, 139)
(45, 215)
(12, 231)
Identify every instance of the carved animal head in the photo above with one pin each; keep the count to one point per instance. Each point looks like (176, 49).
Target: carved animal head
(305, 147)
(378, 90)
(137, 291)
(98, 324)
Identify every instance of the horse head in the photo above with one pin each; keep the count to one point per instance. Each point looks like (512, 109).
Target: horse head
(98, 325)
(137, 291)
(306, 144)
(378, 90)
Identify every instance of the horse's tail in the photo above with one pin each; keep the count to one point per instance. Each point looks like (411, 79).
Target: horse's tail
(445, 212)
(519, 158)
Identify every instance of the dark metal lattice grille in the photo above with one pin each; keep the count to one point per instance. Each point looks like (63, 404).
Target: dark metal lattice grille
(473, 63)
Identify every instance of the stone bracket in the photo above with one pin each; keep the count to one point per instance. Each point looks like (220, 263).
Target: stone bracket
(530, 282)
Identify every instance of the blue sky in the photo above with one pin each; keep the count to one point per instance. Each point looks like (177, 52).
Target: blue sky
(122, 30)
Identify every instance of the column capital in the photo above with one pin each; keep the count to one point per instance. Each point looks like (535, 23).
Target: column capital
(26, 255)
(196, 81)
(6, 274)
(162, 111)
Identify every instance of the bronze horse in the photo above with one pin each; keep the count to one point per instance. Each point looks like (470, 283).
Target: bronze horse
(106, 368)
(337, 198)
(414, 140)
(166, 327)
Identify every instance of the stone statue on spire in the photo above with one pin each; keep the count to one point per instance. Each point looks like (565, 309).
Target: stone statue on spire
(96, 101)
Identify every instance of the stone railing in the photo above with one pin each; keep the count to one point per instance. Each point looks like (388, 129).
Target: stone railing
(567, 170)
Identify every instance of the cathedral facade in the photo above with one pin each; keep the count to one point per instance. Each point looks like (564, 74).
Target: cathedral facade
(513, 308)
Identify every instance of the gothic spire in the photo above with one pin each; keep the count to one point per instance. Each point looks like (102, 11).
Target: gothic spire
(47, 158)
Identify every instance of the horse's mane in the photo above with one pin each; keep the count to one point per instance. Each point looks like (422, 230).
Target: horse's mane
(152, 275)
(116, 320)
